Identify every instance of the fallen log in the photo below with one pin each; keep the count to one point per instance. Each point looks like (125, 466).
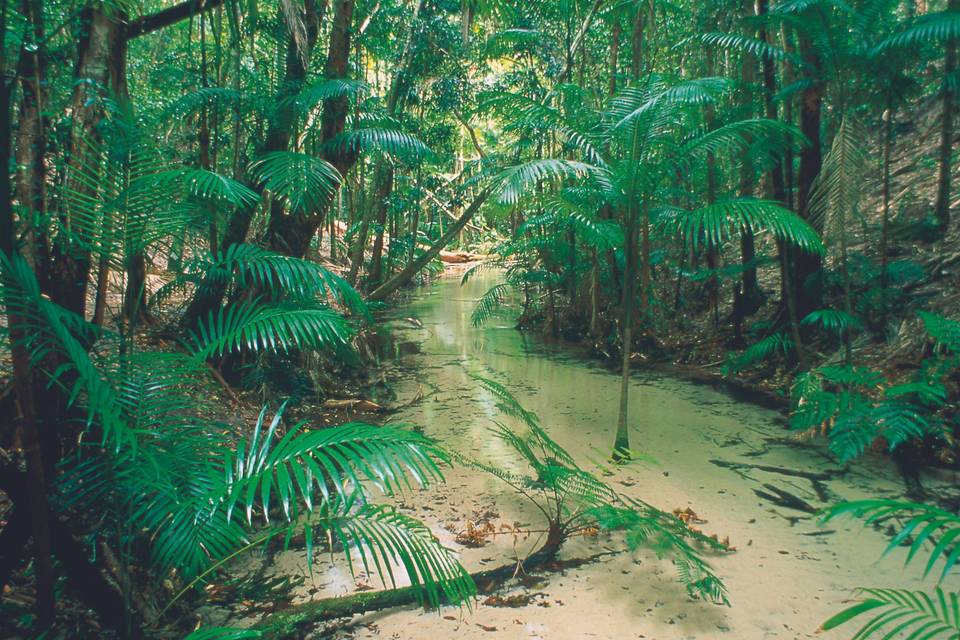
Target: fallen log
(460, 257)
(293, 622)
(352, 404)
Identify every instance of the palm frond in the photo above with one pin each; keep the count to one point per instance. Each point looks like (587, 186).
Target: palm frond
(206, 185)
(714, 224)
(923, 523)
(304, 183)
(753, 46)
(836, 190)
(765, 140)
(512, 183)
(205, 97)
(900, 613)
(382, 536)
(257, 327)
(247, 265)
(327, 89)
(54, 334)
(833, 320)
(223, 633)
(400, 145)
(305, 462)
(937, 27)
(490, 303)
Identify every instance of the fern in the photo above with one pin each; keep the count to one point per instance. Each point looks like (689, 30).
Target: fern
(772, 345)
(833, 320)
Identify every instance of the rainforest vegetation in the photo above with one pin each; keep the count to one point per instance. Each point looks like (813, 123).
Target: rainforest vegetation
(444, 309)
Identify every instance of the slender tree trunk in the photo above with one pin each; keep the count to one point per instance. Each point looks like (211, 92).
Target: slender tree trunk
(885, 223)
(807, 266)
(466, 20)
(381, 204)
(751, 296)
(614, 56)
(22, 374)
(941, 209)
(383, 175)
(621, 444)
(99, 36)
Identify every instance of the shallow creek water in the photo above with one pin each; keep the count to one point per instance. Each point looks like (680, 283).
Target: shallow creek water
(787, 576)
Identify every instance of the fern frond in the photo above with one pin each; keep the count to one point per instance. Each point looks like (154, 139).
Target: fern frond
(944, 330)
(836, 190)
(772, 345)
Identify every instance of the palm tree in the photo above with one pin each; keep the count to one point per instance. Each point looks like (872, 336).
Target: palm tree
(629, 156)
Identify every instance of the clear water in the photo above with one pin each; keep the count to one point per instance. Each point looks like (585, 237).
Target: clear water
(787, 575)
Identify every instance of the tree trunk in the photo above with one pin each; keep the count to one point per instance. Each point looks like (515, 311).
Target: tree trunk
(36, 485)
(99, 36)
(381, 205)
(291, 234)
(621, 444)
(614, 56)
(941, 209)
(885, 222)
(806, 265)
(751, 296)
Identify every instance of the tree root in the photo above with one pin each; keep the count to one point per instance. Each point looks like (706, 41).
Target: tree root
(298, 620)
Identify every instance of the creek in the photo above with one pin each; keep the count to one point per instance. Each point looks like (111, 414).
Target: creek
(710, 453)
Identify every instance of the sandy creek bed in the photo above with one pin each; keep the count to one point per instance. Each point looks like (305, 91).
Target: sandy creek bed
(786, 577)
